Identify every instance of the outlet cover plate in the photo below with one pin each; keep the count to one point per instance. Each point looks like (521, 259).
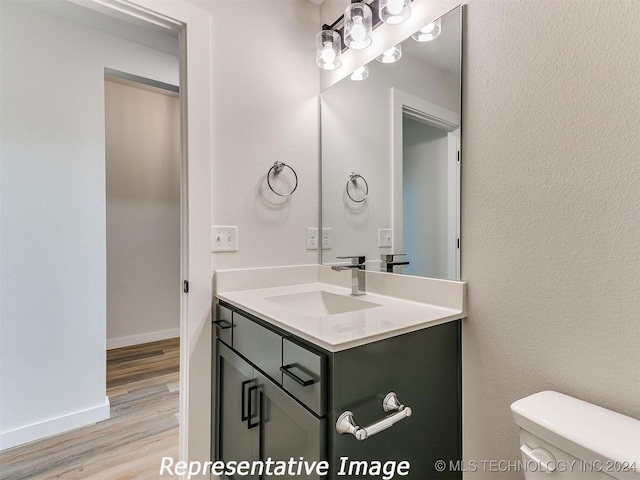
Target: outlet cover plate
(312, 238)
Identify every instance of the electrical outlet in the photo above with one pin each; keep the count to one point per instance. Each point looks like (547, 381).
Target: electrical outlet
(326, 239)
(312, 238)
(384, 237)
(224, 238)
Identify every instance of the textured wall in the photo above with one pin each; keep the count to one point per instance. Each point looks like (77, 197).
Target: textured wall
(551, 225)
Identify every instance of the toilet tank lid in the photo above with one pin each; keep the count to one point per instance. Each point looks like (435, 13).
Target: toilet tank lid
(606, 433)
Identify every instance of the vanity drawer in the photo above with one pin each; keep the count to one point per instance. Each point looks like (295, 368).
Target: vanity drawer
(304, 375)
(223, 323)
(258, 344)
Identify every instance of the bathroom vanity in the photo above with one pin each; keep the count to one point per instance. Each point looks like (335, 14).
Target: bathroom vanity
(295, 362)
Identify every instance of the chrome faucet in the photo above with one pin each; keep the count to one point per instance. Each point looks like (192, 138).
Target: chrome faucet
(387, 261)
(358, 285)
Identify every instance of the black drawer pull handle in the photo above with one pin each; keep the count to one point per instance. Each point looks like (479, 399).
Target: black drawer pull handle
(223, 324)
(243, 400)
(296, 378)
(250, 410)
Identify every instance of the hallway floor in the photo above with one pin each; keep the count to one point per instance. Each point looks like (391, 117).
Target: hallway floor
(142, 385)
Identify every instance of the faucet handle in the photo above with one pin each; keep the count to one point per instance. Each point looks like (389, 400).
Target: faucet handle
(388, 257)
(355, 259)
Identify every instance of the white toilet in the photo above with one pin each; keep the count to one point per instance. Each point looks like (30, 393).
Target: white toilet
(562, 437)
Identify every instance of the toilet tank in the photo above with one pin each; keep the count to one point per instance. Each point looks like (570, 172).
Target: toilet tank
(562, 437)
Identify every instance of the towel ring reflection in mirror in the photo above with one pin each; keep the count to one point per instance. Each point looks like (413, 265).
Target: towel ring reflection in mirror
(276, 169)
(353, 178)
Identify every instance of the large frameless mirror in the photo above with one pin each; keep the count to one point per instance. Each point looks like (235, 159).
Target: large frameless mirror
(390, 158)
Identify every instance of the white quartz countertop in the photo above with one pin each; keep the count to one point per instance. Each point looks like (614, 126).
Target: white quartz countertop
(390, 316)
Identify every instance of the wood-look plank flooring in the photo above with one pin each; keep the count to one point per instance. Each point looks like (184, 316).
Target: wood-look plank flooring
(142, 385)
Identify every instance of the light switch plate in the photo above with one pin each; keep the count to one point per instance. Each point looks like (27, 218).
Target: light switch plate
(326, 238)
(312, 238)
(385, 237)
(224, 238)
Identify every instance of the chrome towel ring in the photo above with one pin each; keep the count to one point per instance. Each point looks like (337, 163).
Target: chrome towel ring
(353, 178)
(277, 168)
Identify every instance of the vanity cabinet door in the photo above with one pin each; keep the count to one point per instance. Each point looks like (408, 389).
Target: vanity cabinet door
(236, 384)
(287, 429)
(424, 369)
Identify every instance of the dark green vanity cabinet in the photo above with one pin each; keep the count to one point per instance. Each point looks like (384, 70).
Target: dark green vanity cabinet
(256, 418)
(279, 397)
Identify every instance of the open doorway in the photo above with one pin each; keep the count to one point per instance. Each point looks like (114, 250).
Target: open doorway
(142, 160)
(55, 186)
(142, 156)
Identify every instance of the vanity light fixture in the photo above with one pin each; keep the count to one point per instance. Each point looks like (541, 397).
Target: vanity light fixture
(394, 11)
(392, 55)
(353, 29)
(358, 24)
(360, 73)
(429, 32)
(328, 49)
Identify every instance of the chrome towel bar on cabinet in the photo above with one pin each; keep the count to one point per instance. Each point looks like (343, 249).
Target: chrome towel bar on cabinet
(276, 169)
(346, 423)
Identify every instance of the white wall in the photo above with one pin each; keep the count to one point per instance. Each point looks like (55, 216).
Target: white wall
(143, 213)
(550, 217)
(52, 290)
(265, 102)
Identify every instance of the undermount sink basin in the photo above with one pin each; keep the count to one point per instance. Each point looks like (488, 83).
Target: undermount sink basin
(320, 303)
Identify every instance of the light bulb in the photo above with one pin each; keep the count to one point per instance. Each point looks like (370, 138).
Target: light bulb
(360, 73)
(429, 28)
(428, 32)
(391, 55)
(358, 32)
(328, 50)
(394, 11)
(395, 6)
(357, 25)
(328, 55)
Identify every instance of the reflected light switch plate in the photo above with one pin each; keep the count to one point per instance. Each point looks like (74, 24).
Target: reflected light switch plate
(224, 238)
(384, 237)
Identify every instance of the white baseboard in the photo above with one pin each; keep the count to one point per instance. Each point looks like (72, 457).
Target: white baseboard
(120, 342)
(55, 426)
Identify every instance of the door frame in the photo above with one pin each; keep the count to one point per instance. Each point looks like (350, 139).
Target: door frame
(193, 26)
(405, 104)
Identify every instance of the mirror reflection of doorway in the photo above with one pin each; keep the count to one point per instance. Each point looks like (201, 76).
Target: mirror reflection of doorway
(425, 197)
(426, 187)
